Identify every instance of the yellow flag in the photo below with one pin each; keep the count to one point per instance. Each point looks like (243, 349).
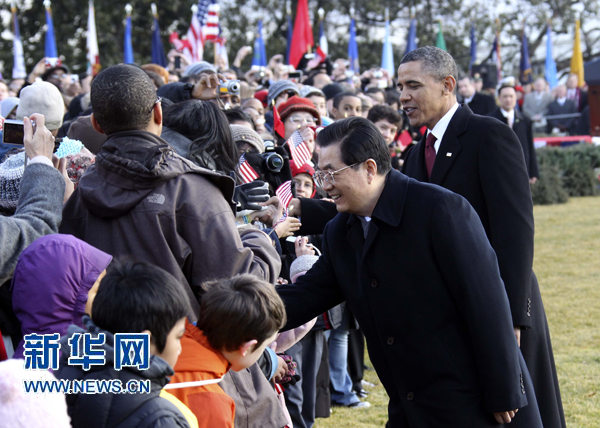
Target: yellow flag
(577, 58)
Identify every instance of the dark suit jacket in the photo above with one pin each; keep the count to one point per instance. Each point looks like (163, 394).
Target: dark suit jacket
(482, 160)
(482, 104)
(522, 127)
(425, 288)
(554, 108)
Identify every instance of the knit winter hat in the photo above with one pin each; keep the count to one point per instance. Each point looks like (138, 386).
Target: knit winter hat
(43, 98)
(298, 104)
(301, 265)
(309, 91)
(262, 96)
(279, 87)
(199, 67)
(7, 105)
(11, 172)
(21, 409)
(243, 133)
(332, 90)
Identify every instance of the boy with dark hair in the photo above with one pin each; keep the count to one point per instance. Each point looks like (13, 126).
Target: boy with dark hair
(387, 120)
(239, 318)
(133, 297)
(346, 104)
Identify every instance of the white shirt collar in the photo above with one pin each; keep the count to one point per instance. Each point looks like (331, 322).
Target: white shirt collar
(468, 100)
(440, 128)
(560, 101)
(507, 114)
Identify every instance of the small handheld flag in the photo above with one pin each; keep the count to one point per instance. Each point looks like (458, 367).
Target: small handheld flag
(284, 193)
(298, 148)
(246, 171)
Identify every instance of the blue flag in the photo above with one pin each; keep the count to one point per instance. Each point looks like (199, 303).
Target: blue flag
(473, 47)
(411, 42)
(259, 59)
(158, 51)
(353, 48)
(526, 75)
(50, 51)
(18, 71)
(387, 58)
(290, 33)
(128, 48)
(550, 73)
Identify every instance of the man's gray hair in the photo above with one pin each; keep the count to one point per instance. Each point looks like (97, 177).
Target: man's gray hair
(434, 61)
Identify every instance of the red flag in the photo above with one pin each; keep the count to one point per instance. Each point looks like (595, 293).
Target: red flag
(284, 193)
(404, 138)
(298, 148)
(278, 125)
(303, 36)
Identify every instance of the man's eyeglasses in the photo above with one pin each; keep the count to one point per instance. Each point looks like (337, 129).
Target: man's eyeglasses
(159, 99)
(299, 120)
(322, 177)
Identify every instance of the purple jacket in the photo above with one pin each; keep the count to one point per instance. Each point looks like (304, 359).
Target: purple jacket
(51, 283)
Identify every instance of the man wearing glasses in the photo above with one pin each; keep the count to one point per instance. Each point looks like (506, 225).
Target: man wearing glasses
(413, 263)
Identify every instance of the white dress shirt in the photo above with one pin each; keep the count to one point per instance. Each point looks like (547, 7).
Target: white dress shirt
(509, 115)
(440, 128)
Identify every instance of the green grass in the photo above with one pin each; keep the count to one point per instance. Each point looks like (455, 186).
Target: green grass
(567, 264)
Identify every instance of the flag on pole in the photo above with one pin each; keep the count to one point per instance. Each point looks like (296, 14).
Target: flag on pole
(526, 74)
(411, 41)
(495, 54)
(302, 38)
(439, 39)
(247, 173)
(387, 58)
(18, 71)
(158, 51)
(290, 35)
(284, 193)
(50, 47)
(259, 57)
(550, 72)
(352, 46)
(222, 59)
(208, 15)
(127, 46)
(323, 44)
(577, 58)
(473, 47)
(93, 54)
(181, 45)
(298, 149)
(194, 37)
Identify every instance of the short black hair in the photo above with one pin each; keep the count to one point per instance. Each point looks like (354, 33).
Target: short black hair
(434, 61)
(359, 140)
(339, 97)
(392, 96)
(504, 86)
(135, 296)
(383, 112)
(122, 97)
(236, 114)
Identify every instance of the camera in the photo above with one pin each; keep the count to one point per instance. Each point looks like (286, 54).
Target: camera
(273, 166)
(273, 161)
(13, 132)
(378, 74)
(229, 87)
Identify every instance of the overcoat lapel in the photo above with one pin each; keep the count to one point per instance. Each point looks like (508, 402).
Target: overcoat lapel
(450, 147)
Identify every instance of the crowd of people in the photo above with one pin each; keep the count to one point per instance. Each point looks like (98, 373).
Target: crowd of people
(149, 200)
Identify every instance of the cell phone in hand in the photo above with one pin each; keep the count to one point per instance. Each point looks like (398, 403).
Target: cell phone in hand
(295, 75)
(13, 132)
(177, 62)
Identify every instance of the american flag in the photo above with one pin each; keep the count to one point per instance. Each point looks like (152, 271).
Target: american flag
(204, 26)
(247, 173)
(284, 193)
(194, 36)
(298, 148)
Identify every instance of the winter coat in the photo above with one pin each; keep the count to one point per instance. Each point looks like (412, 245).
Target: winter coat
(143, 410)
(142, 199)
(51, 283)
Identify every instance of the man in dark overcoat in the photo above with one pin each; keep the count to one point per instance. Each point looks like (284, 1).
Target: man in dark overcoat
(414, 264)
(481, 159)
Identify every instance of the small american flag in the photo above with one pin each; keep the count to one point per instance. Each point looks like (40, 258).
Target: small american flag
(298, 148)
(284, 193)
(247, 173)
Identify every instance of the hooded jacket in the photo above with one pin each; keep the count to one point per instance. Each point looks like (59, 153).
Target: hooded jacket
(143, 200)
(129, 410)
(51, 283)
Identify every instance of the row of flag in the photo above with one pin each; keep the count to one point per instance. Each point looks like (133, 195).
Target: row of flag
(204, 26)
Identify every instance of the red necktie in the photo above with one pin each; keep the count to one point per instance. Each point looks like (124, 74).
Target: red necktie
(430, 153)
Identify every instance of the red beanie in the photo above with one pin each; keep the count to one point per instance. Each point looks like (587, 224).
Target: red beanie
(296, 103)
(304, 169)
(262, 97)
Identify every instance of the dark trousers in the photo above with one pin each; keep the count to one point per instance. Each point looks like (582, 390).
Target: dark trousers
(356, 358)
(300, 398)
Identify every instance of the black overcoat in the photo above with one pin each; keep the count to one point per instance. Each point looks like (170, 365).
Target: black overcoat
(481, 159)
(425, 287)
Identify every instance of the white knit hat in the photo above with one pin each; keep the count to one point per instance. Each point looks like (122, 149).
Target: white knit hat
(43, 98)
(302, 265)
(11, 172)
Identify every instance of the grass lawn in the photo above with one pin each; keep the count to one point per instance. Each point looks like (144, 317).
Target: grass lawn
(567, 264)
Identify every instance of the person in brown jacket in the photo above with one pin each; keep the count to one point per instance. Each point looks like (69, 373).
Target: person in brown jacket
(141, 199)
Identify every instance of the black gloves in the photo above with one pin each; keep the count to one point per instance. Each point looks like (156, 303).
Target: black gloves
(247, 196)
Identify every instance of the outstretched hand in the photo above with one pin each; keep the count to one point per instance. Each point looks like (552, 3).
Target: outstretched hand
(505, 417)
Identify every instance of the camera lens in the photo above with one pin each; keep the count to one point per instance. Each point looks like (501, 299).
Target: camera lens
(274, 162)
(234, 87)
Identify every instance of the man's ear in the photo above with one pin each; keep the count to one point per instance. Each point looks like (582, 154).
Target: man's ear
(449, 84)
(158, 115)
(95, 124)
(247, 346)
(371, 167)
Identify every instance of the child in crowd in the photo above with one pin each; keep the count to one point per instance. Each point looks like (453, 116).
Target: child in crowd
(51, 284)
(133, 297)
(239, 318)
